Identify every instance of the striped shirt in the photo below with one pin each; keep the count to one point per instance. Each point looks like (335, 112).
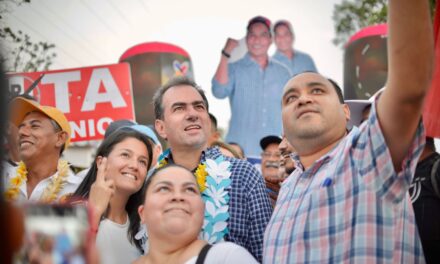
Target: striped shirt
(349, 206)
(255, 100)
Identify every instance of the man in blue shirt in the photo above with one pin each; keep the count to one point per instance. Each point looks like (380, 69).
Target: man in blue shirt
(295, 60)
(254, 86)
(237, 207)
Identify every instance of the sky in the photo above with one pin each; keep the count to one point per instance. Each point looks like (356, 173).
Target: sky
(98, 32)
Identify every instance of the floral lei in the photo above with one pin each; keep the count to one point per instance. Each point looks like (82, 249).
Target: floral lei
(53, 188)
(213, 178)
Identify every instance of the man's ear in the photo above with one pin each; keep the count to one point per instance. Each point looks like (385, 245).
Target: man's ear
(346, 110)
(62, 137)
(160, 128)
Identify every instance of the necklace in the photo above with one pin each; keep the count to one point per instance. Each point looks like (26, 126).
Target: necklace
(213, 179)
(50, 193)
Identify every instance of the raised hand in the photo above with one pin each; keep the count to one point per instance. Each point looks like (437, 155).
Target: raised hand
(102, 189)
(230, 45)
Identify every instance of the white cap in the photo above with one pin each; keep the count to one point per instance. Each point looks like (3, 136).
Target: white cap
(358, 106)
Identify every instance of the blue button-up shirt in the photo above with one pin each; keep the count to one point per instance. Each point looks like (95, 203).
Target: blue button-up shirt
(301, 62)
(255, 99)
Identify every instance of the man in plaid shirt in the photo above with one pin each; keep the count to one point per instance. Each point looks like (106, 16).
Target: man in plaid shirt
(181, 111)
(348, 201)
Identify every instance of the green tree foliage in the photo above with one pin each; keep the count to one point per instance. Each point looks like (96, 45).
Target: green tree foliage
(352, 15)
(20, 52)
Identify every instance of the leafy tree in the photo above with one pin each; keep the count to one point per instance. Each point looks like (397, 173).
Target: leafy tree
(350, 16)
(21, 54)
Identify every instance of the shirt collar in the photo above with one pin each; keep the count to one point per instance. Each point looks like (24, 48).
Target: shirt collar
(326, 157)
(249, 61)
(209, 153)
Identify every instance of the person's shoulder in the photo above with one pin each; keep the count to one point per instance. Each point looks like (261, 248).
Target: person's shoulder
(9, 170)
(226, 246)
(75, 178)
(231, 253)
(303, 54)
(238, 167)
(244, 61)
(280, 66)
(239, 164)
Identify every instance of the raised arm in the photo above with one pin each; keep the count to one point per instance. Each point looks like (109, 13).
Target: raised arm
(221, 75)
(410, 53)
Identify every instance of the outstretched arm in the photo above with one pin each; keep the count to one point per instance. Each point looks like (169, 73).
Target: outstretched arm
(410, 53)
(221, 75)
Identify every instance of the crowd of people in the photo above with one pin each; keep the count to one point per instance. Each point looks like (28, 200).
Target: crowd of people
(338, 181)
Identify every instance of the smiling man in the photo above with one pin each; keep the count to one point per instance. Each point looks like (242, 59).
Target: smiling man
(43, 134)
(237, 206)
(297, 61)
(347, 200)
(254, 85)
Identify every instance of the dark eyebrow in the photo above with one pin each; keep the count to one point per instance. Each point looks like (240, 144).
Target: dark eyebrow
(198, 103)
(178, 104)
(33, 121)
(168, 183)
(190, 184)
(290, 90)
(129, 150)
(311, 84)
(192, 103)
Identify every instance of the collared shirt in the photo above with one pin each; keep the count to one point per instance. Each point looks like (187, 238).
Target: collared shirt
(301, 62)
(72, 183)
(350, 206)
(249, 204)
(255, 99)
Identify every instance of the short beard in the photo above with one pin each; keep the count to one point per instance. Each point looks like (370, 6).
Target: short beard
(308, 133)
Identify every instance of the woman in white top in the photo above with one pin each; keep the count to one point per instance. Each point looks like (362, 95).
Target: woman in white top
(114, 188)
(173, 212)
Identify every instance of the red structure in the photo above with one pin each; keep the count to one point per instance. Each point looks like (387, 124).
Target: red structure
(152, 65)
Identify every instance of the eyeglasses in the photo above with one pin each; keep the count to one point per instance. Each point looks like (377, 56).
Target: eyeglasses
(267, 154)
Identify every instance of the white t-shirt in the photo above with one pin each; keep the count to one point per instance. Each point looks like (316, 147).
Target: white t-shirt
(113, 244)
(225, 253)
(70, 186)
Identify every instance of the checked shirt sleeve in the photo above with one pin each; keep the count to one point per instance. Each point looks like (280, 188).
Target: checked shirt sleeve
(260, 211)
(376, 166)
(224, 90)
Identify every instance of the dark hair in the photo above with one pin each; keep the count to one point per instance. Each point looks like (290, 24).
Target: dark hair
(283, 23)
(213, 121)
(258, 19)
(430, 143)
(337, 90)
(135, 199)
(113, 126)
(175, 81)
